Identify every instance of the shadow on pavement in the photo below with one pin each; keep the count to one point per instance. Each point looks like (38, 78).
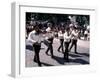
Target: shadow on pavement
(81, 61)
(46, 64)
(59, 59)
(74, 55)
(62, 61)
(84, 54)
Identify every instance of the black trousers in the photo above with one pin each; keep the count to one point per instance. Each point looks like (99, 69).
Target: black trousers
(66, 52)
(61, 45)
(74, 43)
(50, 47)
(85, 36)
(37, 48)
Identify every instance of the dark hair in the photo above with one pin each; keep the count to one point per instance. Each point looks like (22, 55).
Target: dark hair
(75, 27)
(67, 29)
(37, 29)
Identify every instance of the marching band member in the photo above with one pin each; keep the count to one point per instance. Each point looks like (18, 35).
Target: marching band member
(34, 37)
(67, 39)
(74, 35)
(61, 37)
(49, 39)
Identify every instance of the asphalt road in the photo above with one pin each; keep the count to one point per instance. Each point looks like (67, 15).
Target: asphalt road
(81, 58)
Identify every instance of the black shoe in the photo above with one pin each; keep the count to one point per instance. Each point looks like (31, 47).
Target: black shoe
(39, 65)
(76, 52)
(52, 56)
(35, 60)
(46, 53)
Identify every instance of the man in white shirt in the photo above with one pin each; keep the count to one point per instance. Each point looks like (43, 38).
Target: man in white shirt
(61, 37)
(49, 41)
(34, 37)
(74, 36)
(67, 39)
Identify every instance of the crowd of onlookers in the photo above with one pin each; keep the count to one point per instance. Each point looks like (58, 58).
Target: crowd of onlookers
(84, 31)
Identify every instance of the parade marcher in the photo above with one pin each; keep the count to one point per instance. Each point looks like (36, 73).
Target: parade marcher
(49, 41)
(67, 39)
(61, 37)
(74, 38)
(86, 35)
(34, 37)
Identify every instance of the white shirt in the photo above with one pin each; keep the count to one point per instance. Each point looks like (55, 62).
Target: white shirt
(48, 35)
(48, 29)
(33, 37)
(74, 35)
(86, 32)
(66, 37)
(60, 35)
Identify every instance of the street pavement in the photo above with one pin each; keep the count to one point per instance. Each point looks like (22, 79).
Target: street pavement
(81, 58)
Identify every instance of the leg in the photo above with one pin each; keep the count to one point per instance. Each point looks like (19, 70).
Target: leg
(51, 50)
(65, 50)
(75, 43)
(66, 54)
(60, 45)
(48, 45)
(47, 50)
(36, 57)
(72, 43)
